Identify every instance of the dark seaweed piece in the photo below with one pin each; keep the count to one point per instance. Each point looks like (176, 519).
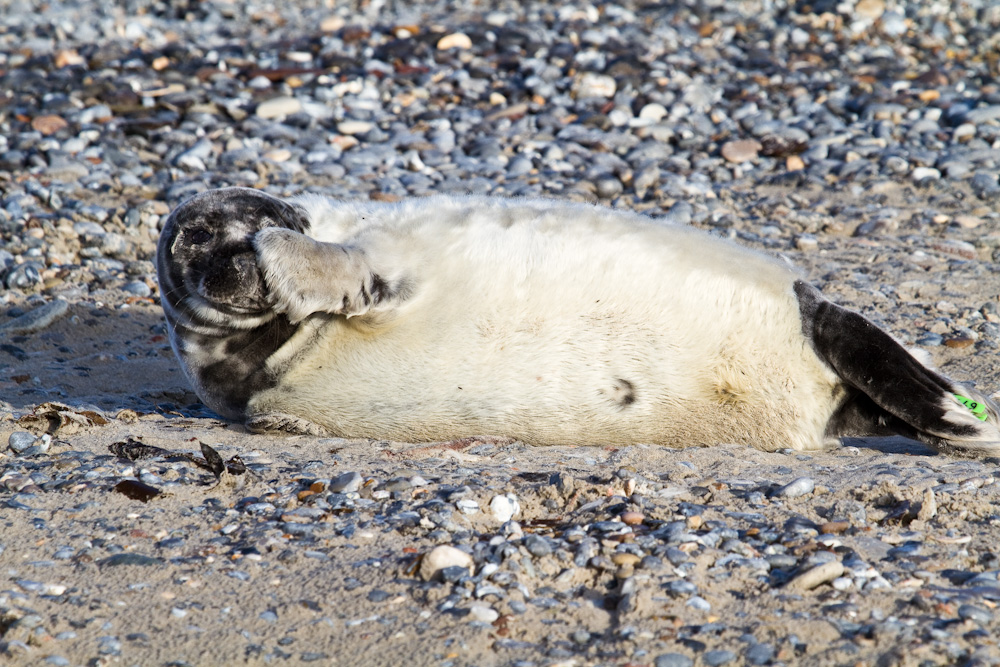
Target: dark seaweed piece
(215, 462)
(133, 450)
(136, 490)
(236, 466)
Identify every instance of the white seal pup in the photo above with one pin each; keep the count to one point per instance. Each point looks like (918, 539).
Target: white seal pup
(439, 318)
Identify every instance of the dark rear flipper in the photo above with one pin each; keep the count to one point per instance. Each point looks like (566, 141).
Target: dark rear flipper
(893, 391)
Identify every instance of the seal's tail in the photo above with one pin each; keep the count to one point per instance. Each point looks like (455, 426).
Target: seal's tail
(893, 391)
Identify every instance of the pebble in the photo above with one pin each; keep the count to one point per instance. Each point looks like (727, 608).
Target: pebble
(441, 557)
(18, 441)
(348, 482)
(719, 657)
(35, 319)
(484, 613)
(971, 612)
(505, 507)
(279, 107)
(456, 40)
(591, 84)
(741, 150)
(673, 660)
(816, 576)
(796, 488)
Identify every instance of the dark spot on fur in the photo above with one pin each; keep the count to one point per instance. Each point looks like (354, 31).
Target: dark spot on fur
(623, 392)
(380, 289)
(239, 368)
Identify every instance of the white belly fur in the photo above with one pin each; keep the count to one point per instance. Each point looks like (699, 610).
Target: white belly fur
(527, 315)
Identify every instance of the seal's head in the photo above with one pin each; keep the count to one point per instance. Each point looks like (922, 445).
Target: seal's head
(206, 261)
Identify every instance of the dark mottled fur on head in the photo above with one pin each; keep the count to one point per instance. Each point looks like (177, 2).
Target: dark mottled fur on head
(217, 305)
(206, 251)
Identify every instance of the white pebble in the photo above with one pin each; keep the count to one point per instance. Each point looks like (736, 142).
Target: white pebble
(922, 173)
(842, 583)
(590, 84)
(796, 488)
(820, 574)
(456, 40)
(351, 127)
(484, 613)
(440, 557)
(467, 506)
(279, 106)
(504, 508)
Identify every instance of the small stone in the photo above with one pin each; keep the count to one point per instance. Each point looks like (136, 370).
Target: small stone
(842, 583)
(352, 127)
(870, 9)
(138, 288)
(467, 506)
(278, 107)
(537, 545)
(129, 559)
(456, 40)
(25, 276)
(505, 507)
(440, 557)
(795, 488)
(816, 576)
(673, 660)
(278, 155)
(625, 558)
(484, 613)
(807, 243)
(794, 163)
(19, 441)
(717, 658)
(48, 124)
(741, 150)
(632, 518)
(348, 482)
(36, 319)
(759, 654)
(591, 84)
(968, 221)
(925, 174)
(971, 612)
(834, 527)
(653, 111)
(699, 603)
(608, 188)
(959, 341)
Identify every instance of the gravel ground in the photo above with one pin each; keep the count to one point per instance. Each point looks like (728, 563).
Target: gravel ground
(861, 140)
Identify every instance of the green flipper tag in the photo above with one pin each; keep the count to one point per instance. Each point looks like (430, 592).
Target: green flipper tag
(975, 407)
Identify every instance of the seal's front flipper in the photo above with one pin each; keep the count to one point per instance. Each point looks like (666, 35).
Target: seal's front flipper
(305, 276)
(893, 390)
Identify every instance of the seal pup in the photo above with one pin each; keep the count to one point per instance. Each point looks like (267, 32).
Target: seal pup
(437, 318)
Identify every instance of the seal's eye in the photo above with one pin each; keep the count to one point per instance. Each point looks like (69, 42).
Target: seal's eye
(199, 236)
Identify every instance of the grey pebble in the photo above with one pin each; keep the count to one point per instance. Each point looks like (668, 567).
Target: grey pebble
(718, 657)
(971, 612)
(673, 660)
(348, 482)
(537, 545)
(795, 488)
(129, 559)
(19, 441)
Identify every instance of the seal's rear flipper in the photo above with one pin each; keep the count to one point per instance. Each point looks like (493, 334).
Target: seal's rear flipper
(895, 392)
